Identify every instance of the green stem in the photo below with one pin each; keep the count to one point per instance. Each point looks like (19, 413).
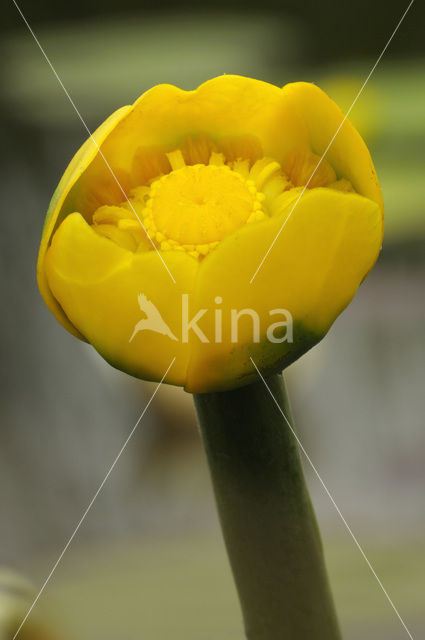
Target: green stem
(268, 522)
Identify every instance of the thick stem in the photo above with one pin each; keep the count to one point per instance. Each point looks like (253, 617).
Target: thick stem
(268, 523)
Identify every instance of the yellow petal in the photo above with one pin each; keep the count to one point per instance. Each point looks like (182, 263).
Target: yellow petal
(61, 205)
(97, 283)
(226, 108)
(348, 154)
(327, 246)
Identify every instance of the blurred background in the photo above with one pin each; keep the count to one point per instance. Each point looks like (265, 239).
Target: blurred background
(149, 561)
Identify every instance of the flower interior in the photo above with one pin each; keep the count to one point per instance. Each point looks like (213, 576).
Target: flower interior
(196, 203)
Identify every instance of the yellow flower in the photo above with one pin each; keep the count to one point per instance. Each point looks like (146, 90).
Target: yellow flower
(176, 205)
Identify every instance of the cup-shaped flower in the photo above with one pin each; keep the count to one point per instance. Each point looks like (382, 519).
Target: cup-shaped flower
(201, 226)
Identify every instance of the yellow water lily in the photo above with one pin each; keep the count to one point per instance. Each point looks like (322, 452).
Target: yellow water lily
(176, 222)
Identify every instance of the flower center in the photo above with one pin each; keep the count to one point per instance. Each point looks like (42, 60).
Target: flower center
(196, 206)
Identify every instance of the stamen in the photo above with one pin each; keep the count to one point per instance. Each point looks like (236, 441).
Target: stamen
(263, 170)
(342, 185)
(241, 167)
(176, 159)
(216, 159)
(305, 167)
(129, 225)
(108, 214)
(121, 238)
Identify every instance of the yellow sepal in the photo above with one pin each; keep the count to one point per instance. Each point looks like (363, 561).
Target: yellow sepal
(314, 269)
(98, 283)
(60, 206)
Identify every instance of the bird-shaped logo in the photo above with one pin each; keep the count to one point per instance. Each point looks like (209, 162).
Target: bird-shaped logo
(153, 320)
